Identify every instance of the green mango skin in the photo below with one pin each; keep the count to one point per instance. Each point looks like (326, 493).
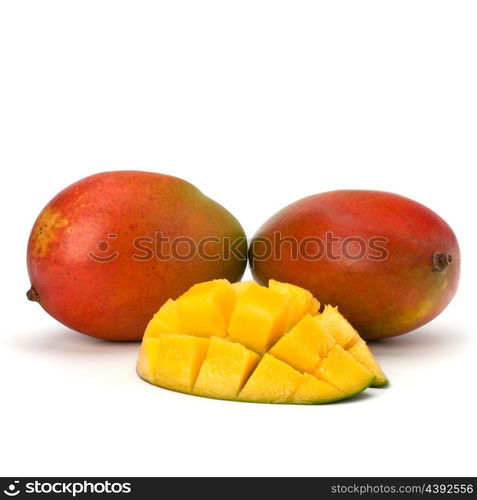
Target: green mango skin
(115, 299)
(381, 297)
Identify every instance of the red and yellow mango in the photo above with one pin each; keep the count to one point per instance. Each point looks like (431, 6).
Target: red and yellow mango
(388, 262)
(106, 251)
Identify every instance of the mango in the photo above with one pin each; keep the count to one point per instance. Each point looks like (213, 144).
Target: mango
(390, 264)
(246, 342)
(109, 249)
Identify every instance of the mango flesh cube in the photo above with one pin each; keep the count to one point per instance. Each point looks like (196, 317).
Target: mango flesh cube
(166, 320)
(342, 371)
(205, 309)
(314, 391)
(259, 318)
(305, 345)
(179, 358)
(333, 321)
(314, 306)
(147, 362)
(301, 301)
(361, 352)
(273, 381)
(225, 369)
(242, 286)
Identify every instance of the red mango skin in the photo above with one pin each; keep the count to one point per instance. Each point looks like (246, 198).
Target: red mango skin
(381, 297)
(107, 291)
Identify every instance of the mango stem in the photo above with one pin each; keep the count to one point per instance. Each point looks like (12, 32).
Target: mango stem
(441, 261)
(33, 295)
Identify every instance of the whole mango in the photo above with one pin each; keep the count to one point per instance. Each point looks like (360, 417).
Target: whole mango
(107, 251)
(389, 263)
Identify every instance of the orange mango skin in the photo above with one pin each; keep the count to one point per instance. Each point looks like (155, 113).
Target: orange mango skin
(115, 300)
(381, 298)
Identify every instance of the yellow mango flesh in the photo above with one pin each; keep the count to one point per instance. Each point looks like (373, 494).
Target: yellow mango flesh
(258, 319)
(331, 320)
(301, 301)
(147, 361)
(312, 390)
(342, 371)
(348, 338)
(225, 369)
(166, 320)
(361, 352)
(234, 342)
(179, 358)
(273, 381)
(242, 286)
(205, 309)
(304, 345)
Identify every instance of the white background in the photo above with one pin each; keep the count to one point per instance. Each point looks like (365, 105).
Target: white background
(258, 104)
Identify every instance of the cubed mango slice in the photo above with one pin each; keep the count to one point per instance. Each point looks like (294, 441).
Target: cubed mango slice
(361, 352)
(333, 321)
(301, 301)
(247, 342)
(305, 345)
(240, 287)
(147, 361)
(225, 369)
(179, 358)
(259, 318)
(273, 381)
(166, 320)
(205, 309)
(314, 391)
(342, 371)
